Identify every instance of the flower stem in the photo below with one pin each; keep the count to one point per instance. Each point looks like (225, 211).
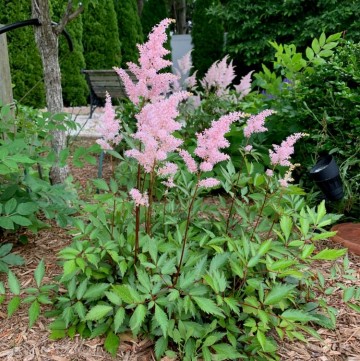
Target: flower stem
(137, 219)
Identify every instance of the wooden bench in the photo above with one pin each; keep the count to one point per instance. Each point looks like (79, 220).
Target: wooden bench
(100, 82)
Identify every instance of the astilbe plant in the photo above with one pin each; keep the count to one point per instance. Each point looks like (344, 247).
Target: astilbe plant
(212, 278)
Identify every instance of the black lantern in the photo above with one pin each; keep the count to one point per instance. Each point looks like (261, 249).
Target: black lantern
(325, 173)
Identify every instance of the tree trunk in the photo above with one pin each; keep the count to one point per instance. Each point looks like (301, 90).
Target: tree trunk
(180, 16)
(47, 42)
(140, 5)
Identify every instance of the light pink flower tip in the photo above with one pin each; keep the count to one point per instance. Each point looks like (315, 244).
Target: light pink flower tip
(255, 123)
(138, 198)
(283, 183)
(248, 148)
(209, 182)
(169, 183)
(211, 140)
(282, 153)
(244, 88)
(109, 127)
(269, 172)
(189, 161)
(168, 169)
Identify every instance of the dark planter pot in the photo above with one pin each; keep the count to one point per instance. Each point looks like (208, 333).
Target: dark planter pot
(325, 173)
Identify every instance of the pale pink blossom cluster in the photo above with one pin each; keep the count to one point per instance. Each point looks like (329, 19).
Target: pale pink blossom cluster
(248, 148)
(209, 182)
(139, 198)
(269, 172)
(211, 140)
(150, 85)
(184, 81)
(155, 125)
(219, 76)
(109, 128)
(282, 153)
(189, 161)
(255, 123)
(244, 87)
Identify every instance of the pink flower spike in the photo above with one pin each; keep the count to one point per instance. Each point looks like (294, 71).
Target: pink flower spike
(282, 153)
(138, 198)
(169, 183)
(109, 128)
(189, 161)
(211, 140)
(168, 169)
(269, 172)
(255, 123)
(244, 88)
(248, 148)
(209, 183)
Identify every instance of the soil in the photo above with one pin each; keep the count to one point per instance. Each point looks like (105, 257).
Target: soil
(19, 343)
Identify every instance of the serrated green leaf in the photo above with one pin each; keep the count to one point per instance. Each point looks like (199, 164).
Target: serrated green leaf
(119, 318)
(112, 343)
(286, 225)
(13, 305)
(98, 312)
(323, 236)
(96, 291)
(226, 352)
(137, 319)
(144, 279)
(13, 283)
(349, 293)
(5, 249)
(330, 254)
(297, 316)
(162, 319)
(27, 208)
(101, 184)
(13, 260)
(208, 306)
(315, 46)
(262, 339)
(39, 272)
(278, 293)
(333, 37)
(309, 53)
(127, 294)
(34, 313)
(160, 347)
(322, 39)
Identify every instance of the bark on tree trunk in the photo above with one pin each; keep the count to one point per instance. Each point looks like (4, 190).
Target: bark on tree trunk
(47, 42)
(140, 5)
(180, 15)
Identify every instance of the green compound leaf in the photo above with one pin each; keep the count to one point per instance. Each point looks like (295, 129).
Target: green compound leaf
(137, 319)
(119, 318)
(160, 347)
(278, 293)
(98, 312)
(39, 273)
(34, 312)
(208, 306)
(112, 343)
(13, 305)
(14, 284)
(162, 319)
(330, 254)
(297, 315)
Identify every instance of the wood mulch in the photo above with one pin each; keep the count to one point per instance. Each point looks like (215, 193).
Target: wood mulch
(19, 343)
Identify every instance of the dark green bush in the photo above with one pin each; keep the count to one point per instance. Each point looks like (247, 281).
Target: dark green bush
(74, 87)
(25, 62)
(130, 30)
(102, 49)
(153, 12)
(207, 37)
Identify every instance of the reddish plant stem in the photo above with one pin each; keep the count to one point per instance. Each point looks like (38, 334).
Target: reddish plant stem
(137, 218)
(232, 205)
(149, 209)
(186, 233)
(259, 217)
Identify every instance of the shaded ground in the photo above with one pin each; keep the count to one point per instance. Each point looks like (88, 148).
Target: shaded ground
(19, 343)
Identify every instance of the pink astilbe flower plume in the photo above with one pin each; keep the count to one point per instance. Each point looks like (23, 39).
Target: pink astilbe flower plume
(255, 123)
(138, 198)
(209, 183)
(149, 85)
(109, 128)
(219, 76)
(244, 88)
(282, 153)
(155, 125)
(189, 161)
(211, 140)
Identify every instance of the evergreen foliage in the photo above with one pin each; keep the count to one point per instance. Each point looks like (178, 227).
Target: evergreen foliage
(153, 12)
(130, 30)
(250, 25)
(207, 36)
(74, 87)
(25, 62)
(102, 49)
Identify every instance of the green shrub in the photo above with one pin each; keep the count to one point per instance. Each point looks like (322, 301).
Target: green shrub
(207, 37)
(74, 87)
(250, 25)
(102, 48)
(25, 62)
(321, 97)
(130, 31)
(153, 12)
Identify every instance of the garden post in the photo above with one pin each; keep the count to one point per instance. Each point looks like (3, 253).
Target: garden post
(6, 96)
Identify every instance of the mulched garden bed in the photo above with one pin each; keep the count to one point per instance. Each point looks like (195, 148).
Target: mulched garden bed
(19, 343)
